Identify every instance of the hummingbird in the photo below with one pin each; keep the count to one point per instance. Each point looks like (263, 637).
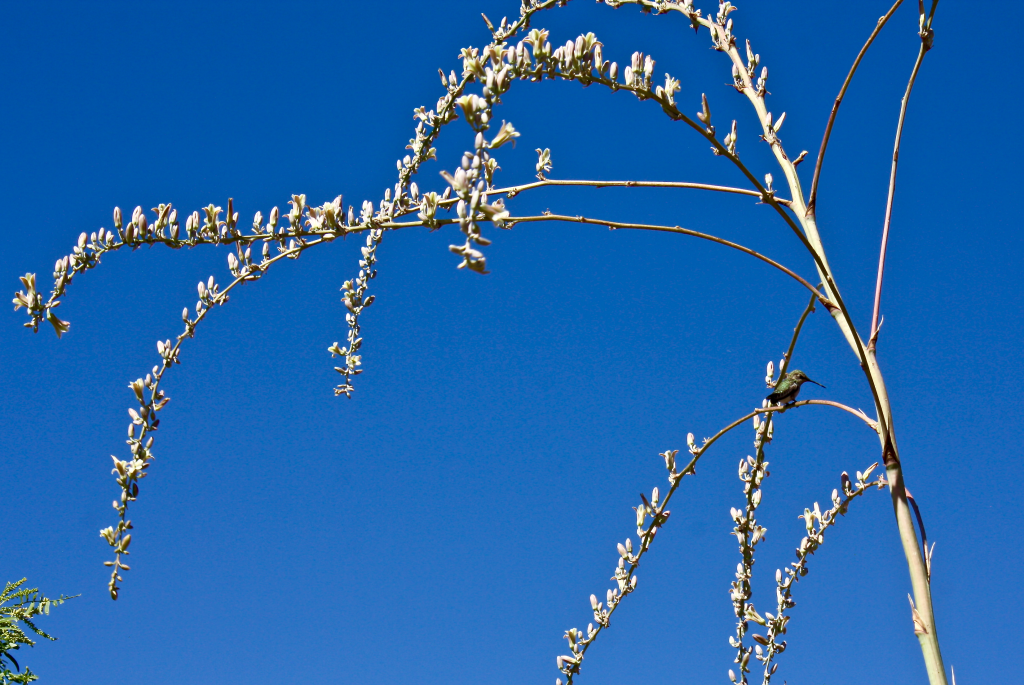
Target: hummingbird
(788, 388)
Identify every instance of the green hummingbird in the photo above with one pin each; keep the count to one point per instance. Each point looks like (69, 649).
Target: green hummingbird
(788, 388)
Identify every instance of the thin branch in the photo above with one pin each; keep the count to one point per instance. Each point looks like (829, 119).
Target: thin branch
(812, 198)
(708, 442)
(892, 191)
(675, 229)
(796, 334)
(512, 191)
(792, 346)
(859, 413)
(873, 425)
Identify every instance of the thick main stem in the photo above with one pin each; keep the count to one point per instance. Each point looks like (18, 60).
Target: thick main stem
(924, 619)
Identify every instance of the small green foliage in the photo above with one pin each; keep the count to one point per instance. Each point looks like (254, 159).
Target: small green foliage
(24, 605)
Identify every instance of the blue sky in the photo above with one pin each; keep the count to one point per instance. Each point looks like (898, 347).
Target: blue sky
(449, 522)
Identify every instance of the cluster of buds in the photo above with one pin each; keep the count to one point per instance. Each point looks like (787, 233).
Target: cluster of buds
(127, 473)
(730, 140)
(639, 73)
(470, 183)
(209, 295)
(721, 30)
(576, 59)
(569, 664)
(752, 472)
(742, 75)
(356, 300)
(201, 228)
(668, 91)
(32, 301)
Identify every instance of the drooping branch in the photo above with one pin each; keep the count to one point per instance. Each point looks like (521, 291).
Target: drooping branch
(165, 230)
(128, 473)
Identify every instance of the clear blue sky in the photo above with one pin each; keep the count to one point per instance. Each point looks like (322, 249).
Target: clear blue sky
(448, 523)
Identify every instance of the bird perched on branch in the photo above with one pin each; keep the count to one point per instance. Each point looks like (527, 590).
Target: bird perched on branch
(788, 388)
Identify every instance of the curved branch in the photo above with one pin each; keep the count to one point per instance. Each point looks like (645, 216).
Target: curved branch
(708, 442)
(812, 198)
(676, 229)
(859, 413)
(659, 515)
(88, 255)
(130, 472)
(872, 424)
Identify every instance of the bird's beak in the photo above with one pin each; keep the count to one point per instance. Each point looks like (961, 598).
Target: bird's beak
(815, 382)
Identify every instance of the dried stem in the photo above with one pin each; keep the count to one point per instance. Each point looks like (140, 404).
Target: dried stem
(917, 557)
